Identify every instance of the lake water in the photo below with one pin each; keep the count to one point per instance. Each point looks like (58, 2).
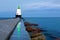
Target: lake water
(51, 24)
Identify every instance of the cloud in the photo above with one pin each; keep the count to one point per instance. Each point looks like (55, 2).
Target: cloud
(42, 8)
(43, 4)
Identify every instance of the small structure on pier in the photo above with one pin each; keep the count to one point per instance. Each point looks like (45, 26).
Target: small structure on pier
(18, 13)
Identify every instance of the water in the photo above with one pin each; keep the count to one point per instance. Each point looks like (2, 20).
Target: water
(51, 24)
(20, 33)
(16, 34)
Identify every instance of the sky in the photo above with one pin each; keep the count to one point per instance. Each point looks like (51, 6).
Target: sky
(31, 8)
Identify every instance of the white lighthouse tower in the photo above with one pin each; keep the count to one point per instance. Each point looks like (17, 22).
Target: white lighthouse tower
(18, 13)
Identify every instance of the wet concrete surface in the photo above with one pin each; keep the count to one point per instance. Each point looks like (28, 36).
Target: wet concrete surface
(7, 26)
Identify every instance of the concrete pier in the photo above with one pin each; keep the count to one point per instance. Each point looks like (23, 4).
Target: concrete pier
(7, 27)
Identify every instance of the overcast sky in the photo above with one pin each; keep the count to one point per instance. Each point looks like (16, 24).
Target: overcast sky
(34, 8)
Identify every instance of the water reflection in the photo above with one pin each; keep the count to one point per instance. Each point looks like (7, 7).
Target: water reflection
(18, 28)
(16, 33)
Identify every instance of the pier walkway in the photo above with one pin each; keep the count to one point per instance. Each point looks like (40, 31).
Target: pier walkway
(7, 27)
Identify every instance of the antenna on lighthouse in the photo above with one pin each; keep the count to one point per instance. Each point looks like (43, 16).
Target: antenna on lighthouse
(18, 12)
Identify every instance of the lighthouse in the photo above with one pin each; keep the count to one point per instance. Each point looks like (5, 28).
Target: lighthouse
(18, 12)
